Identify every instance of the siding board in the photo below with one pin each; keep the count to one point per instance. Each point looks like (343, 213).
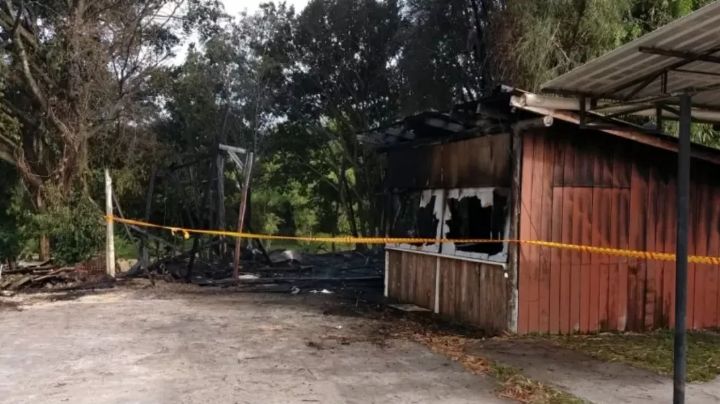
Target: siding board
(545, 234)
(470, 292)
(525, 232)
(535, 207)
(611, 192)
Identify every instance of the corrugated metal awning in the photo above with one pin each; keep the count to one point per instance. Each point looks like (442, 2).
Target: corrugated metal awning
(683, 56)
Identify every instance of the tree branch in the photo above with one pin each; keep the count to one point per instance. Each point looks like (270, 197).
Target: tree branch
(30, 79)
(6, 156)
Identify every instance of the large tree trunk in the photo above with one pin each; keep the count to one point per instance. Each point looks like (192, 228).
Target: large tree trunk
(44, 247)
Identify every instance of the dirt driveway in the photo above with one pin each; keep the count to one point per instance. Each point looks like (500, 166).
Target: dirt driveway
(207, 346)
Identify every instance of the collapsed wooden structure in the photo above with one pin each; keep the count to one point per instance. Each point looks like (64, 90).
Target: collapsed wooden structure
(500, 168)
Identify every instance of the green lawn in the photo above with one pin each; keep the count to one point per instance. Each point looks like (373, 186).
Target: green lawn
(652, 351)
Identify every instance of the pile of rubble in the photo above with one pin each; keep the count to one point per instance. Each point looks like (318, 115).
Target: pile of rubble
(42, 276)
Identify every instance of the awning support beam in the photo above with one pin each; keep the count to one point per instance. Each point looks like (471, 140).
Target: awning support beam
(685, 55)
(656, 73)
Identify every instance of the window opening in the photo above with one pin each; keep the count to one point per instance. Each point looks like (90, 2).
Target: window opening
(478, 214)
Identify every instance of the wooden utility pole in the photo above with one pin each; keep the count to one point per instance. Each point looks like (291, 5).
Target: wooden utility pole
(241, 214)
(110, 237)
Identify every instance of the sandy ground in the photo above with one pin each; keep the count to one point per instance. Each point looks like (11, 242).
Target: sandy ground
(208, 346)
(591, 379)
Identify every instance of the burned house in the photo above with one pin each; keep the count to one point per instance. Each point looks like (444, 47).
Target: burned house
(506, 169)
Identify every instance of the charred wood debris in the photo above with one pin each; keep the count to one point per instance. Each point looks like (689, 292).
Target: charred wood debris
(282, 271)
(49, 277)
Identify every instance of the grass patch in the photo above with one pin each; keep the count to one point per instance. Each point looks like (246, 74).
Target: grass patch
(652, 351)
(124, 248)
(513, 384)
(516, 386)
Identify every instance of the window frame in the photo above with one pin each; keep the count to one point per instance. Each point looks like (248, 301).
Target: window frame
(487, 196)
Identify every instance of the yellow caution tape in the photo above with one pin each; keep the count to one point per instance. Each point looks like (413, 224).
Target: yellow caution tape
(648, 255)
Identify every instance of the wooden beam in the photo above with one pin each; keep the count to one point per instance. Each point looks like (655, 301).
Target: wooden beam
(655, 74)
(241, 213)
(697, 72)
(685, 55)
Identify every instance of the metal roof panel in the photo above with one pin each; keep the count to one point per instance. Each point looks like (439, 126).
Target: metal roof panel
(622, 73)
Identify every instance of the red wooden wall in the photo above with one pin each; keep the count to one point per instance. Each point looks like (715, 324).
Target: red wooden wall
(586, 187)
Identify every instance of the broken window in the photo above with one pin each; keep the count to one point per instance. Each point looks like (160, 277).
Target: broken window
(467, 213)
(476, 214)
(417, 215)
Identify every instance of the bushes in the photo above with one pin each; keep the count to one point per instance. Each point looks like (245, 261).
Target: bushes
(75, 229)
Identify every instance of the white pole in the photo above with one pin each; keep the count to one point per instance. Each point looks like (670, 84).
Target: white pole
(387, 268)
(110, 237)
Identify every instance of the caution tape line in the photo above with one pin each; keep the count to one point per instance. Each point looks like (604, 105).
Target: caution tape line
(648, 255)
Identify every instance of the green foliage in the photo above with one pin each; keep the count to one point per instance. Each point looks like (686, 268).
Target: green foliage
(10, 235)
(437, 65)
(647, 15)
(75, 229)
(124, 248)
(535, 40)
(532, 41)
(287, 208)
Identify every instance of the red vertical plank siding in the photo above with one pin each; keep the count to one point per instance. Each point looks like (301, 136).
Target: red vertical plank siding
(566, 264)
(669, 267)
(692, 233)
(576, 261)
(612, 193)
(526, 265)
(595, 260)
(535, 209)
(555, 261)
(637, 232)
(604, 268)
(647, 291)
(556, 304)
(623, 217)
(653, 286)
(585, 212)
(711, 298)
(702, 210)
(545, 234)
(710, 285)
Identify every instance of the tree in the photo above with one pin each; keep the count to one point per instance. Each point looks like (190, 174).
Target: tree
(76, 70)
(339, 82)
(440, 63)
(532, 41)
